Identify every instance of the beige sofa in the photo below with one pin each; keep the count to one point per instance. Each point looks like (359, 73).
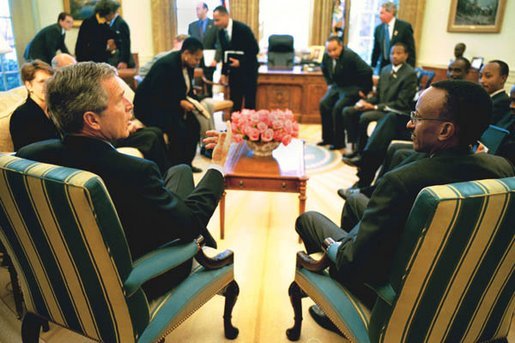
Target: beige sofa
(9, 101)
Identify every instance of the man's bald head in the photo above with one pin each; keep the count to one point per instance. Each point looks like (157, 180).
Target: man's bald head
(63, 60)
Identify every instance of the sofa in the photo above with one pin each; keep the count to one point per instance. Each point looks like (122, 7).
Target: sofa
(9, 101)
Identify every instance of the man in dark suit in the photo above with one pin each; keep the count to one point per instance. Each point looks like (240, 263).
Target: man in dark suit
(391, 31)
(122, 58)
(92, 111)
(50, 39)
(242, 69)
(449, 116)
(395, 91)
(95, 41)
(346, 75)
(492, 77)
(205, 31)
(161, 100)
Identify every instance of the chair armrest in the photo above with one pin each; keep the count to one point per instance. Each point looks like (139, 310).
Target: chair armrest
(220, 260)
(309, 263)
(158, 262)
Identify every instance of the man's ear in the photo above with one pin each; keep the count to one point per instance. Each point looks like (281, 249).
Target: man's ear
(447, 131)
(91, 120)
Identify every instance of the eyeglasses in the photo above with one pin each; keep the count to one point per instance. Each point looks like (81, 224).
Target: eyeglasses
(415, 117)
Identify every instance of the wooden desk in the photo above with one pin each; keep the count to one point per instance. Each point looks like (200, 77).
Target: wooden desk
(282, 172)
(295, 90)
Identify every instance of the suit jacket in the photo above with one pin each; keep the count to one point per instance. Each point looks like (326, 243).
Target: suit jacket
(210, 35)
(242, 40)
(350, 71)
(158, 97)
(150, 214)
(29, 124)
(122, 38)
(402, 32)
(500, 105)
(92, 41)
(46, 43)
(367, 256)
(396, 90)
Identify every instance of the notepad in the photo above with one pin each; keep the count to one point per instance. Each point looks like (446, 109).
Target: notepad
(199, 107)
(232, 54)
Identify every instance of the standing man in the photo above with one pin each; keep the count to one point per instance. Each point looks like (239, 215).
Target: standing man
(449, 117)
(93, 111)
(122, 58)
(205, 31)
(492, 77)
(96, 40)
(242, 66)
(50, 39)
(391, 31)
(162, 100)
(346, 75)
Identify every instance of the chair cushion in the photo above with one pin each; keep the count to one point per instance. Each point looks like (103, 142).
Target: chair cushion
(9, 101)
(344, 310)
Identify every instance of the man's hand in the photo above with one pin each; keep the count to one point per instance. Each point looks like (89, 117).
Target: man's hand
(363, 105)
(220, 142)
(223, 80)
(235, 63)
(122, 65)
(213, 63)
(187, 106)
(111, 45)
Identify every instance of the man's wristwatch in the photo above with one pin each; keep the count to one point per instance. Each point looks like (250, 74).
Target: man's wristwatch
(376, 107)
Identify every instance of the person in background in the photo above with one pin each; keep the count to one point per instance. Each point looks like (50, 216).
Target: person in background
(177, 44)
(90, 108)
(507, 148)
(391, 31)
(241, 69)
(458, 69)
(122, 57)
(62, 60)
(49, 40)
(346, 75)
(95, 41)
(492, 77)
(30, 122)
(449, 117)
(459, 50)
(205, 31)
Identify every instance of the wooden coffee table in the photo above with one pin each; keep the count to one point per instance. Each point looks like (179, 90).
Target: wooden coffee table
(281, 172)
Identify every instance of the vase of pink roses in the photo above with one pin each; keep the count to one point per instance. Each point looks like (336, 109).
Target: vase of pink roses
(264, 130)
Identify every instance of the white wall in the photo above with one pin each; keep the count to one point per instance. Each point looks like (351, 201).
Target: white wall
(437, 45)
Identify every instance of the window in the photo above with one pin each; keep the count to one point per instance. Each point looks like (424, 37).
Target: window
(9, 71)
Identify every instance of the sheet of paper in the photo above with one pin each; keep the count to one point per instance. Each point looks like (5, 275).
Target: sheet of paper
(209, 56)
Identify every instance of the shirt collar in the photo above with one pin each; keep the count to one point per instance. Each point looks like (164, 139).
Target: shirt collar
(397, 67)
(496, 92)
(229, 28)
(113, 20)
(391, 24)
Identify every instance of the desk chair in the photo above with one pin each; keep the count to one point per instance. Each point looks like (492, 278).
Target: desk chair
(280, 52)
(66, 242)
(424, 78)
(452, 278)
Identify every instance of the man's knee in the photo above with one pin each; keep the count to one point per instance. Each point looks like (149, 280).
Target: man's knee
(303, 221)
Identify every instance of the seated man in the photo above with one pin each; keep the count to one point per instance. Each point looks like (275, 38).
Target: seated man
(88, 104)
(346, 74)
(492, 77)
(449, 117)
(507, 148)
(395, 91)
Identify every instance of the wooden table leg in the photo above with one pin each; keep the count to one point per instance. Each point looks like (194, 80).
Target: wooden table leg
(302, 199)
(222, 216)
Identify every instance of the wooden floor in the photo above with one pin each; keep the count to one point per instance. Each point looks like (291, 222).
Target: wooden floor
(260, 231)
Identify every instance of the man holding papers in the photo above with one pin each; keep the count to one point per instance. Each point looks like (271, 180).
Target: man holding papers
(166, 99)
(240, 47)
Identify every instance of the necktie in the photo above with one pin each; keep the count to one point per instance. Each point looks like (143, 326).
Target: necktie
(386, 43)
(227, 36)
(334, 65)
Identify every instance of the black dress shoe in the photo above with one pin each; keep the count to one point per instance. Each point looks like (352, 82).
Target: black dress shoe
(321, 319)
(345, 193)
(196, 169)
(353, 162)
(335, 147)
(323, 143)
(206, 152)
(351, 154)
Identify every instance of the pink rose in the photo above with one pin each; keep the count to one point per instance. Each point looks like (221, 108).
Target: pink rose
(278, 135)
(261, 126)
(277, 124)
(237, 137)
(286, 140)
(253, 134)
(268, 135)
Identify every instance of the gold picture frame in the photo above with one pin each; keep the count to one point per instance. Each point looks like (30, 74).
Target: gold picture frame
(82, 9)
(474, 16)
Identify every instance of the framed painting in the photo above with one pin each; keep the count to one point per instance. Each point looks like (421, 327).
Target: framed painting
(81, 9)
(476, 15)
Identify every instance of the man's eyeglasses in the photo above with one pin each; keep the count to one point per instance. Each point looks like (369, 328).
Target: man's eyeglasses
(415, 117)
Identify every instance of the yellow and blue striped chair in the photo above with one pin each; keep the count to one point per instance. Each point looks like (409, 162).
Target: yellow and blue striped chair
(452, 279)
(66, 242)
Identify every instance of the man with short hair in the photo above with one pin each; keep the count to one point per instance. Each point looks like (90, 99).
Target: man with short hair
(241, 67)
(346, 75)
(391, 31)
(492, 77)
(449, 117)
(89, 105)
(458, 69)
(122, 57)
(49, 40)
(62, 60)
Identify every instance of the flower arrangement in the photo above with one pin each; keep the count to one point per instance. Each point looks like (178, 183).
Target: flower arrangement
(264, 126)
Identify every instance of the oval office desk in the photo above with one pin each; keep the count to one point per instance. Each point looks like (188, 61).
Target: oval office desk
(297, 90)
(282, 172)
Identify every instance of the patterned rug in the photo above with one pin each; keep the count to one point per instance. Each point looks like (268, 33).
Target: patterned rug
(318, 159)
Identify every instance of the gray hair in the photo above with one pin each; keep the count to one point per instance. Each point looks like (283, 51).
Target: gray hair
(75, 90)
(390, 6)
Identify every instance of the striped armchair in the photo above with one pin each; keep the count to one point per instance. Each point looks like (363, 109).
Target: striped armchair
(66, 242)
(452, 279)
